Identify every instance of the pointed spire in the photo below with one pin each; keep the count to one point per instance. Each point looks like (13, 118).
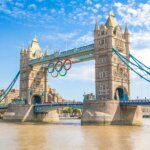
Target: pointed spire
(46, 52)
(111, 21)
(96, 25)
(22, 50)
(126, 29)
(34, 46)
(35, 39)
(111, 13)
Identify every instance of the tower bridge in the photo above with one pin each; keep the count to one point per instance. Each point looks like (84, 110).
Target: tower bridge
(111, 52)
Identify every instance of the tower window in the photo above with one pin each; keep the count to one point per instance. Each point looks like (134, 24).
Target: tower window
(102, 41)
(102, 32)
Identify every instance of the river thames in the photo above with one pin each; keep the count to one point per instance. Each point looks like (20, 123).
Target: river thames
(70, 135)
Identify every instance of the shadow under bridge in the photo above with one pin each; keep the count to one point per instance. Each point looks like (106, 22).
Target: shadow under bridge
(44, 108)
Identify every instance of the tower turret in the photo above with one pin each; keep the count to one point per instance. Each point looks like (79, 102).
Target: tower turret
(112, 76)
(127, 34)
(96, 26)
(127, 39)
(33, 79)
(111, 21)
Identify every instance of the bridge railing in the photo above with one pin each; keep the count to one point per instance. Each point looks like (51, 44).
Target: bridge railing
(135, 102)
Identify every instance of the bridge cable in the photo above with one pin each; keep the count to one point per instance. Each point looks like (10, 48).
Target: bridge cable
(127, 62)
(9, 88)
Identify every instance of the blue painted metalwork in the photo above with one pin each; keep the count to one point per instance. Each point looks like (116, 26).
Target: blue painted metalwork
(37, 99)
(127, 62)
(3, 106)
(44, 108)
(139, 62)
(18, 102)
(123, 96)
(6, 92)
(135, 102)
(69, 53)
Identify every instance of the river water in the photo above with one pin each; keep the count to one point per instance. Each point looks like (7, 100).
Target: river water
(70, 135)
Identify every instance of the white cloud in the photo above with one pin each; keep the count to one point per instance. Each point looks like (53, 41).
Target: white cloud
(39, 1)
(84, 72)
(143, 56)
(88, 1)
(53, 10)
(58, 36)
(32, 6)
(94, 10)
(19, 4)
(84, 39)
(97, 6)
(61, 11)
(134, 15)
(140, 39)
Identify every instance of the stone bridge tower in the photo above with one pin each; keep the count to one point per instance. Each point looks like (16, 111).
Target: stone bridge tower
(33, 79)
(112, 76)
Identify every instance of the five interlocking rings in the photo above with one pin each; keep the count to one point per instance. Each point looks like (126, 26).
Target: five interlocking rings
(59, 68)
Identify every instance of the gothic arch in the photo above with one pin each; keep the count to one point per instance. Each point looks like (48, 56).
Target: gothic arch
(36, 99)
(121, 93)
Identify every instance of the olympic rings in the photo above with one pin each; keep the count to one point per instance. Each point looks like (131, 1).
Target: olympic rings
(65, 63)
(63, 74)
(54, 76)
(51, 65)
(59, 66)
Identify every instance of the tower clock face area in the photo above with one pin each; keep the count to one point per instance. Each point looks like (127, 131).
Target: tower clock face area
(112, 76)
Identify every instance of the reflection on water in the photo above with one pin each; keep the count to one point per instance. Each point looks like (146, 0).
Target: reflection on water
(70, 135)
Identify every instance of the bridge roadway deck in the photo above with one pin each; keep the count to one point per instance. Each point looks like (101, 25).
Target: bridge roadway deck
(45, 107)
(41, 108)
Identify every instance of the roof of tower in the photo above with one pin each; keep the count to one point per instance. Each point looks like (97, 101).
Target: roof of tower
(111, 13)
(111, 21)
(35, 39)
(103, 27)
(34, 45)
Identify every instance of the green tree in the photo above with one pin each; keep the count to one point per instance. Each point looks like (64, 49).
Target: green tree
(76, 111)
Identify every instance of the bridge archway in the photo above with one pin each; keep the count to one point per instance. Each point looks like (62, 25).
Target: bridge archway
(36, 99)
(121, 94)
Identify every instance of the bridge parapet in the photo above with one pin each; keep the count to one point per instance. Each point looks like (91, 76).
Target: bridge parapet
(135, 102)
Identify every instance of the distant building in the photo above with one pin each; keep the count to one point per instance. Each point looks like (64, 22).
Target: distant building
(13, 94)
(53, 96)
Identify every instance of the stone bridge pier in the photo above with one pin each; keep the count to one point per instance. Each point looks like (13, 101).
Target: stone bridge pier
(101, 112)
(25, 113)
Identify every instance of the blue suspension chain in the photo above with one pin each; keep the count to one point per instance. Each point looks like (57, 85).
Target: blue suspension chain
(136, 65)
(5, 93)
(127, 64)
(137, 61)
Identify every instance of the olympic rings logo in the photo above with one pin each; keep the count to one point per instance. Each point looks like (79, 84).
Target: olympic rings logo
(59, 68)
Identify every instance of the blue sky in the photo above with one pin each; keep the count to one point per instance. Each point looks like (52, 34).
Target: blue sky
(54, 21)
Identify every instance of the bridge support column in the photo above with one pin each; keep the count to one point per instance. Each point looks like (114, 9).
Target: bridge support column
(24, 113)
(102, 112)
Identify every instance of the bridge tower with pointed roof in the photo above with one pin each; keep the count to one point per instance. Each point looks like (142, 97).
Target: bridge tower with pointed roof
(112, 76)
(33, 79)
